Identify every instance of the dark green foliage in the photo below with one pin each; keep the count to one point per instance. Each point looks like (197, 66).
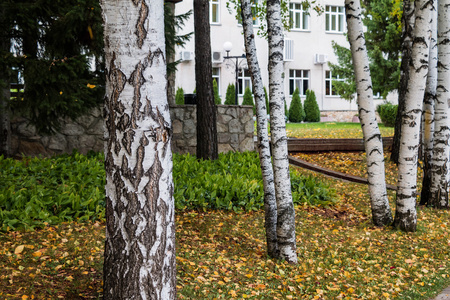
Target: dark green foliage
(217, 99)
(286, 110)
(230, 96)
(39, 191)
(388, 113)
(54, 190)
(55, 40)
(343, 69)
(312, 111)
(267, 100)
(248, 99)
(234, 182)
(172, 24)
(296, 112)
(179, 96)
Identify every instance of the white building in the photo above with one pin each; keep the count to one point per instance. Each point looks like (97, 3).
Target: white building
(308, 49)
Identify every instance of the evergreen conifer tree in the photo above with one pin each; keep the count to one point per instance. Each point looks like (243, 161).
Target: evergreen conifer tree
(312, 111)
(296, 113)
(217, 99)
(230, 95)
(248, 99)
(179, 96)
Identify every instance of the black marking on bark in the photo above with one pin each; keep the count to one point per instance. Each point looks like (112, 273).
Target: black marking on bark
(140, 156)
(127, 140)
(155, 56)
(376, 150)
(140, 26)
(136, 80)
(405, 221)
(375, 136)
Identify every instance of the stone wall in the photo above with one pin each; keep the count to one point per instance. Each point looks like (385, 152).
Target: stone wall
(341, 116)
(235, 127)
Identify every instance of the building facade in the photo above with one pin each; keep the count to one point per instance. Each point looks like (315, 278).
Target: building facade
(308, 50)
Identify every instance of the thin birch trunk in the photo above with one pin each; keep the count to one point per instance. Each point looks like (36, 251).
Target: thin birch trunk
(285, 206)
(270, 203)
(428, 113)
(140, 226)
(440, 164)
(381, 211)
(406, 214)
(408, 19)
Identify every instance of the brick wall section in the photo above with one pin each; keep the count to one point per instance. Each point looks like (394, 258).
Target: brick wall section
(235, 127)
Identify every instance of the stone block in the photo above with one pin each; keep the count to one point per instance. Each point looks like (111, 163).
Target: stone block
(28, 148)
(96, 128)
(234, 138)
(247, 145)
(224, 148)
(189, 126)
(223, 138)
(72, 129)
(232, 111)
(249, 127)
(221, 128)
(57, 142)
(235, 126)
(177, 126)
(26, 130)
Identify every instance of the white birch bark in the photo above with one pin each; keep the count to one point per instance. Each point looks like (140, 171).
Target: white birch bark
(428, 112)
(140, 228)
(381, 211)
(270, 204)
(441, 152)
(406, 214)
(285, 206)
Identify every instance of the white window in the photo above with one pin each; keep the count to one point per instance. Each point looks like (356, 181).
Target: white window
(334, 18)
(214, 12)
(299, 17)
(329, 78)
(298, 79)
(254, 13)
(216, 77)
(244, 80)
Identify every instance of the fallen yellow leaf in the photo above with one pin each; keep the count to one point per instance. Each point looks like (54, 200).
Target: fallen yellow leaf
(19, 249)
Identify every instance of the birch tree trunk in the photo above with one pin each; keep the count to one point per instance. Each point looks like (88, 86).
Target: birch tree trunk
(270, 204)
(406, 214)
(207, 147)
(140, 228)
(408, 19)
(381, 211)
(428, 112)
(285, 206)
(440, 164)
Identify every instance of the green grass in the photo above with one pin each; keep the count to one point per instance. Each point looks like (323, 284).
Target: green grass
(331, 130)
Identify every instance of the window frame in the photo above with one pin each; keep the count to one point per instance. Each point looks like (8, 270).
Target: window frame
(336, 18)
(214, 4)
(303, 14)
(329, 78)
(216, 76)
(298, 76)
(244, 81)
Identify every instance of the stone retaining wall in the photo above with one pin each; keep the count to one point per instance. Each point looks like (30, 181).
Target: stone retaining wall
(341, 116)
(234, 125)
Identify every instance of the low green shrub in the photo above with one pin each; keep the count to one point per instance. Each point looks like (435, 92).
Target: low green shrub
(217, 99)
(234, 182)
(230, 96)
(179, 96)
(296, 112)
(38, 191)
(388, 113)
(312, 111)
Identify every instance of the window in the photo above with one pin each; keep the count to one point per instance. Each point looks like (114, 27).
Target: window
(254, 13)
(214, 12)
(244, 81)
(299, 17)
(298, 79)
(216, 77)
(334, 18)
(329, 78)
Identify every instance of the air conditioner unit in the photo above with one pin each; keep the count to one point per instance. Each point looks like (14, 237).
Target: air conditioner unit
(288, 53)
(186, 55)
(320, 59)
(217, 57)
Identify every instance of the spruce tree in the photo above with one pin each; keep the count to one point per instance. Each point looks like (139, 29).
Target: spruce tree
(312, 111)
(217, 99)
(248, 99)
(230, 95)
(296, 113)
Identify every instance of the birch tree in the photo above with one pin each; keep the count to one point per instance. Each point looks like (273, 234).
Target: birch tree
(285, 206)
(428, 113)
(381, 211)
(406, 214)
(140, 228)
(440, 164)
(270, 204)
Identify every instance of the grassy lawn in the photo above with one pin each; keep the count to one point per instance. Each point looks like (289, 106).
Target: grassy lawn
(332, 130)
(221, 255)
